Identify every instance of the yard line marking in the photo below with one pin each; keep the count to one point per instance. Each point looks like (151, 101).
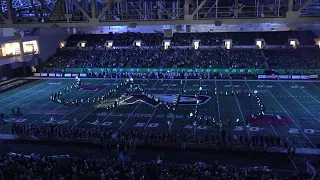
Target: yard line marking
(91, 111)
(307, 93)
(217, 95)
(278, 117)
(289, 116)
(118, 107)
(244, 121)
(299, 102)
(28, 96)
(178, 103)
(26, 104)
(313, 85)
(34, 110)
(156, 107)
(138, 106)
(63, 105)
(22, 91)
(269, 121)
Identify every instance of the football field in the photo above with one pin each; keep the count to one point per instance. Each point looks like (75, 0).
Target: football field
(292, 107)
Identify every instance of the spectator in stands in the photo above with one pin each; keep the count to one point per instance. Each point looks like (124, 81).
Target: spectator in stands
(17, 166)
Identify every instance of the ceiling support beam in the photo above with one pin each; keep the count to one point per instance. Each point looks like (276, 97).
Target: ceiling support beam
(2, 16)
(186, 8)
(81, 9)
(138, 11)
(105, 9)
(93, 8)
(44, 6)
(214, 5)
(304, 5)
(217, 10)
(9, 7)
(198, 8)
(291, 19)
(290, 5)
(35, 11)
(159, 4)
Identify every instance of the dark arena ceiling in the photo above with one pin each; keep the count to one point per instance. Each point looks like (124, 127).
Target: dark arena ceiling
(132, 13)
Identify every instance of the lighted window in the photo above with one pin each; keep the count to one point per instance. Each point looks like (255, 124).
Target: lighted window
(109, 44)
(138, 44)
(196, 45)
(81, 44)
(293, 43)
(11, 49)
(30, 47)
(62, 44)
(166, 45)
(227, 44)
(259, 44)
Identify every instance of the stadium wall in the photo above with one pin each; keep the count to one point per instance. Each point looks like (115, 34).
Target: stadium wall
(49, 40)
(317, 33)
(13, 70)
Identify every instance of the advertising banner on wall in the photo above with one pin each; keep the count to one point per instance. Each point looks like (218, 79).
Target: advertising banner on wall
(149, 70)
(314, 76)
(83, 75)
(284, 76)
(304, 77)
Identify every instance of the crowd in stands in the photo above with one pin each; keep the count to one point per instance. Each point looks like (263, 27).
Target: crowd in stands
(13, 166)
(301, 58)
(155, 58)
(185, 39)
(152, 55)
(124, 58)
(17, 166)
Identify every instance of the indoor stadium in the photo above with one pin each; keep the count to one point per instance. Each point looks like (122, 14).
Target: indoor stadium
(159, 89)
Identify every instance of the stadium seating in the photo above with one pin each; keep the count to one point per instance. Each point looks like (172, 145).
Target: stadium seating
(304, 58)
(220, 58)
(154, 56)
(17, 166)
(185, 39)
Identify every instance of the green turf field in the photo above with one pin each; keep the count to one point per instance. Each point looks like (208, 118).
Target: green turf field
(294, 105)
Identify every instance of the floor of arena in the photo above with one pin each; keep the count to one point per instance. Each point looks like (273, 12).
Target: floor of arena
(293, 108)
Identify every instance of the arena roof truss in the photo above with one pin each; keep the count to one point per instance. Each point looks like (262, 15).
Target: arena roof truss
(82, 13)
